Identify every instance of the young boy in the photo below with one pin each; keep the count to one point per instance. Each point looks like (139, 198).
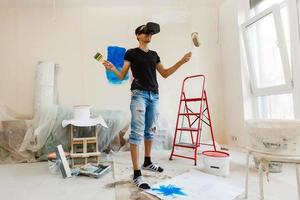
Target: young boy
(143, 63)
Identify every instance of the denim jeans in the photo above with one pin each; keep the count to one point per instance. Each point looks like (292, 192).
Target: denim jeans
(144, 113)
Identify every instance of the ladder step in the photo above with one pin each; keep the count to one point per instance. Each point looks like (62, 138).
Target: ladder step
(189, 145)
(192, 158)
(207, 144)
(187, 129)
(186, 145)
(189, 114)
(193, 99)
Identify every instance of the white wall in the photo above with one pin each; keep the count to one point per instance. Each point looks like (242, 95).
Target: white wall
(232, 71)
(32, 31)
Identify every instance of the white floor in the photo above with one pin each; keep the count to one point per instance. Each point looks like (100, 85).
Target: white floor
(34, 181)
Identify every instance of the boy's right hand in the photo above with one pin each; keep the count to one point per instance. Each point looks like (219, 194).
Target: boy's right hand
(186, 57)
(108, 65)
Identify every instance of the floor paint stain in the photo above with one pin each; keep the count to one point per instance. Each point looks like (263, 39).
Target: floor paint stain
(116, 183)
(115, 55)
(169, 190)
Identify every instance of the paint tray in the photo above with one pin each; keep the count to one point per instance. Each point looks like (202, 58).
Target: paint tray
(95, 171)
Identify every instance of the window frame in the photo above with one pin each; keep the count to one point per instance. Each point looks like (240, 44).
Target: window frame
(274, 10)
(294, 15)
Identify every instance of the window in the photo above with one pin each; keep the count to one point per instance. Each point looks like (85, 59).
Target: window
(275, 106)
(263, 5)
(267, 41)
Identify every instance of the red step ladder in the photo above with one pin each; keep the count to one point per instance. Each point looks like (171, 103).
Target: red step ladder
(198, 117)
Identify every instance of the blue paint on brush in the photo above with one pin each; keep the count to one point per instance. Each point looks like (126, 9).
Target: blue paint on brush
(169, 190)
(115, 55)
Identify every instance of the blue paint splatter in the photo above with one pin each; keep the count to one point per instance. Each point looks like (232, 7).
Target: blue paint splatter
(115, 55)
(169, 190)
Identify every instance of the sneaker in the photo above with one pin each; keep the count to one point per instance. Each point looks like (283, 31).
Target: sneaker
(153, 167)
(140, 183)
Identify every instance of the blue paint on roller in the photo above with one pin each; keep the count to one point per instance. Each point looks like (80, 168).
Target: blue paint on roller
(115, 55)
(169, 190)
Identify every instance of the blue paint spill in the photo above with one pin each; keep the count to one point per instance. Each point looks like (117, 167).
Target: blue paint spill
(169, 190)
(115, 55)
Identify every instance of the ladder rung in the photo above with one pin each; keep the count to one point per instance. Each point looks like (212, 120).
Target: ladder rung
(186, 145)
(206, 144)
(189, 113)
(193, 99)
(183, 156)
(187, 129)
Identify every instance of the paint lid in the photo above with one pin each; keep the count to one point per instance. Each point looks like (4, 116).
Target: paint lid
(218, 154)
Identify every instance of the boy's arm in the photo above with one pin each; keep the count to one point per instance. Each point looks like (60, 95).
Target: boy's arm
(120, 74)
(167, 72)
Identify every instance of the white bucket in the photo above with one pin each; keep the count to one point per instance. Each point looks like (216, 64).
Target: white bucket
(216, 162)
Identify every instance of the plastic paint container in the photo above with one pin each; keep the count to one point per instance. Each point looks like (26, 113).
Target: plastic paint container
(216, 162)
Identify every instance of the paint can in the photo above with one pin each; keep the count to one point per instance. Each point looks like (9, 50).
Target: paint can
(53, 163)
(216, 162)
(274, 166)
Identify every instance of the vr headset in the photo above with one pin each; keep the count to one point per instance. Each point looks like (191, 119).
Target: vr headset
(150, 28)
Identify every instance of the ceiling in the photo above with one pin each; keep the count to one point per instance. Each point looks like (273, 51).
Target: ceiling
(75, 3)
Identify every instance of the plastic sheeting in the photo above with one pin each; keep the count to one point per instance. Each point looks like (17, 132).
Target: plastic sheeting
(42, 134)
(12, 133)
(5, 114)
(11, 137)
(47, 132)
(43, 125)
(117, 121)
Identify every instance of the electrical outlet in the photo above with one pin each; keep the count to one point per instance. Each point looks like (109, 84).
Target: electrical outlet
(234, 138)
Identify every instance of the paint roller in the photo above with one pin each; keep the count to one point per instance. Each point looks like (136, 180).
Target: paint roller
(195, 42)
(195, 39)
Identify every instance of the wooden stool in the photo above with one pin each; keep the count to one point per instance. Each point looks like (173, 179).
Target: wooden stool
(264, 160)
(84, 152)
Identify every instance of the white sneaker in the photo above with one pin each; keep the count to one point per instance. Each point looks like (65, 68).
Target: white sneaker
(153, 167)
(140, 183)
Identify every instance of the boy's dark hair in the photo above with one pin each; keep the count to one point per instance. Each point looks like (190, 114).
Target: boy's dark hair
(140, 29)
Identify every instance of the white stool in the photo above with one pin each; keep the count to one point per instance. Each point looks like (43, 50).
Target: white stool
(264, 159)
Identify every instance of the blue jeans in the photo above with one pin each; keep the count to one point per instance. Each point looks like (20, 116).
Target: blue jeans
(144, 113)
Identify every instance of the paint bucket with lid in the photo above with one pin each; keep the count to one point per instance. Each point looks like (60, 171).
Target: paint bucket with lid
(216, 162)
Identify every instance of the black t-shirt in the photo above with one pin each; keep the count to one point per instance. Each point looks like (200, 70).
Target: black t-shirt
(143, 67)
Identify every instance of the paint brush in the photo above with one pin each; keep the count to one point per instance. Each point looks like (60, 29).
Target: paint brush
(98, 57)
